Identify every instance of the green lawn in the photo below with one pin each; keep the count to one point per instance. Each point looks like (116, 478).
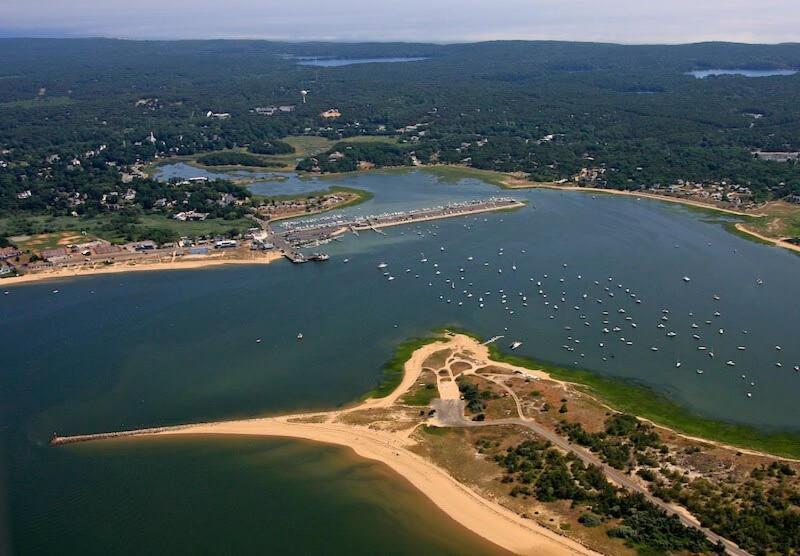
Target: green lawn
(100, 226)
(421, 396)
(192, 229)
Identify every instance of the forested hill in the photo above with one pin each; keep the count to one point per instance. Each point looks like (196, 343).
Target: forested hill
(629, 115)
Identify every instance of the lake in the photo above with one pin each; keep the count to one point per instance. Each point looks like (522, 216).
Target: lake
(325, 62)
(141, 349)
(702, 74)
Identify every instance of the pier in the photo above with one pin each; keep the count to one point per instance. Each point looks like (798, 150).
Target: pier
(295, 234)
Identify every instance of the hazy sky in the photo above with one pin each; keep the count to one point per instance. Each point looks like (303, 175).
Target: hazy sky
(629, 21)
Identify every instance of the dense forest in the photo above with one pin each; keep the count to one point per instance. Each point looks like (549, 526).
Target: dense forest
(77, 115)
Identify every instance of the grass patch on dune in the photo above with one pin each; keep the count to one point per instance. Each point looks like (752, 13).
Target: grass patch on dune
(422, 396)
(630, 397)
(392, 372)
(731, 228)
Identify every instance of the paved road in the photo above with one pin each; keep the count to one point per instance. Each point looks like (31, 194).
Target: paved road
(451, 413)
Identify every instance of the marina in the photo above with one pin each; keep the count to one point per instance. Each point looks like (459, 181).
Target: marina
(292, 235)
(618, 246)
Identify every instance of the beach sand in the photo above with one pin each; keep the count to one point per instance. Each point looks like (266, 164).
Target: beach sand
(186, 263)
(484, 517)
(488, 519)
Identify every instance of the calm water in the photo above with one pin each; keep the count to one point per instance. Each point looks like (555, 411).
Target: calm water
(134, 350)
(336, 62)
(206, 495)
(702, 74)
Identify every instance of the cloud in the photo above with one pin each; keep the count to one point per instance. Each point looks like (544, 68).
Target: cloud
(626, 21)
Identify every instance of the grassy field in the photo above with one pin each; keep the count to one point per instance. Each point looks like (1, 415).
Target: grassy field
(630, 397)
(782, 220)
(421, 396)
(192, 229)
(45, 232)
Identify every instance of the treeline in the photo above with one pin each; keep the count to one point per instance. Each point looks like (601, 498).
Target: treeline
(346, 157)
(539, 471)
(271, 147)
(545, 108)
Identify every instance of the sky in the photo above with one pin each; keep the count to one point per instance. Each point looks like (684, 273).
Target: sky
(621, 21)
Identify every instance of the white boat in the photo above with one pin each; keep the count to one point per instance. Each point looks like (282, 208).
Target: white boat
(515, 345)
(699, 371)
(730, 363)
(382, 265)
(299, 335)
(677, 364)
(686, 279)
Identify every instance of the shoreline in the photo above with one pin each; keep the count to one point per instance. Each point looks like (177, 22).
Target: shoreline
(185, 264)
(396, 447)
(775, 242)
(484, 517)
(487, 519)
(641, 195)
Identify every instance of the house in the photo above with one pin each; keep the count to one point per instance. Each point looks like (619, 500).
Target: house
(190, 216)
(331, 113)
(50, 254)
(226, 199)
(24, 195)
(146, 245)
(9, 252)
(226, 244)
(286, 108)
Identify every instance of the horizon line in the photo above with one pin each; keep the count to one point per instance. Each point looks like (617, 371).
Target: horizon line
(354, 41)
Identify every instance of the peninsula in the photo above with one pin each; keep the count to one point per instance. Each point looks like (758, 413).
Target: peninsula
(483, 440)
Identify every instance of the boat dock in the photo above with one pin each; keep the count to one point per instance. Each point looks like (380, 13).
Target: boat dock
(294, 234)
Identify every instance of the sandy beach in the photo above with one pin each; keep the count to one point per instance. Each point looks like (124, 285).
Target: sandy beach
(185, 263)
(776, 242)
(489, 520)
(484, 517)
